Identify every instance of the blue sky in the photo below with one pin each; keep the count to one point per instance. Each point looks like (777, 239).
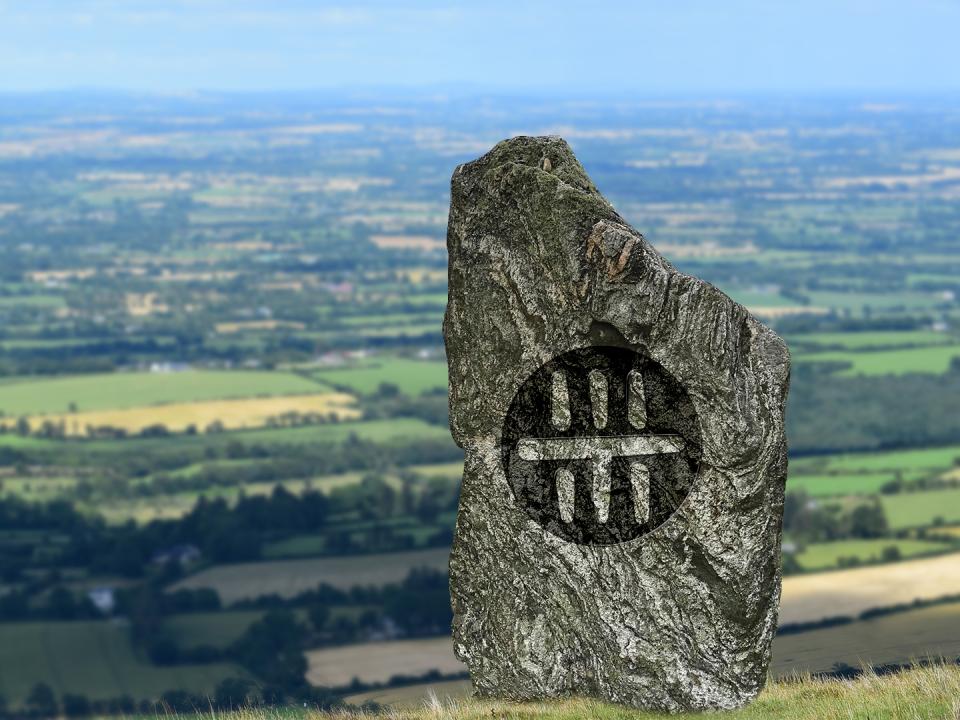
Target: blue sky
(663, 47)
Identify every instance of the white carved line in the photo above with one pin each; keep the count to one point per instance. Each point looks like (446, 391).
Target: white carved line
(600, 451)
(566, 485)
(598, 398)
(640, 483)
(636, 401)
(561, 402)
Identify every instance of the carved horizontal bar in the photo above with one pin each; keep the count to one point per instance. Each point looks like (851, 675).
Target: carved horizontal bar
(583, 448)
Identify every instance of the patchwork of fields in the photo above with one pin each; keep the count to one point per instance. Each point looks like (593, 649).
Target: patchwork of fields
(231, 374)
(895, 638)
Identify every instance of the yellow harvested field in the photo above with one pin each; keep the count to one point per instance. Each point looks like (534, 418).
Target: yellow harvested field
(772, 313)
(143, 304)
(850, 592)
(379, 661)
(287, 578)
(244, 246)
(294, 285)
(229, 328)
(947, 531)
(211, 276)
(45, 276)
(177, 417)
(705, 250)
(422, 275)
(408, 242)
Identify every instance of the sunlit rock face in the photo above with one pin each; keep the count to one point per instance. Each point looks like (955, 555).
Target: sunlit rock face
(620, 516)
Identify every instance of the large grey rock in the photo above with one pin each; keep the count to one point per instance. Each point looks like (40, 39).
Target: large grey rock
(620, 517)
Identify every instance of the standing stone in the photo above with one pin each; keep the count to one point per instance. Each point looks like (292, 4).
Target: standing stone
(620, 515)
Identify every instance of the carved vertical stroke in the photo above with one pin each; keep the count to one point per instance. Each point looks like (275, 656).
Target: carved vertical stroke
(636, 400)
(598, 398)
(560, 402)
(640, 482)
(566, 491)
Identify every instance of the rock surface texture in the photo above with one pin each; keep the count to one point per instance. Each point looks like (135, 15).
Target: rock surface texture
(620, 516)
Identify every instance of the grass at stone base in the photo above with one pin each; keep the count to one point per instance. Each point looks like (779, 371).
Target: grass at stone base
(931, 693)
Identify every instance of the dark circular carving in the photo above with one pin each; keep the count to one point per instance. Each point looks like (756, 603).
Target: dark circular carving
(601, 445)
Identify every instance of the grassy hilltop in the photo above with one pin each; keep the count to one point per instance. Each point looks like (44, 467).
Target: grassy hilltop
(921, 694)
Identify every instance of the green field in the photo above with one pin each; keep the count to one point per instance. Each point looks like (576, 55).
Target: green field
(394, 319)
(214, 629)
(41, 344)
(410, 330)
(297, 546)
(34, 301)
(411, 376)
(384, 431)
(102, 453)
(934, 360)
(928, 459)
(869, 340)
(840, 484)
(919, 509)
(127, 390)
(221, 629)
(941, 279)
(37, 489)
(820, 556)
(91, 658)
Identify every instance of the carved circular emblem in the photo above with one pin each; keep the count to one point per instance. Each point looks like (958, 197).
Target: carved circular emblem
(601, 445)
